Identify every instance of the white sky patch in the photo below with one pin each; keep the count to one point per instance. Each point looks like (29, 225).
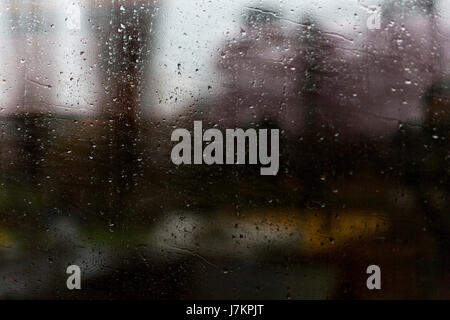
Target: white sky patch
(73, 12)
(10, 64)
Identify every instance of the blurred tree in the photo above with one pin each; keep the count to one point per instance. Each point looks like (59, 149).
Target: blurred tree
(317, 65)
(421, 153)
(124, 35)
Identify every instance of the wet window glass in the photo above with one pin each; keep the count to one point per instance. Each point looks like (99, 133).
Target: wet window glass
(224, 149)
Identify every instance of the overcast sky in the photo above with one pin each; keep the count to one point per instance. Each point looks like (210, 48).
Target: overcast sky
(191, 34)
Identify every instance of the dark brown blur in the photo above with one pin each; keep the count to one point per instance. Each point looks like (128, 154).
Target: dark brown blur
(89, 97)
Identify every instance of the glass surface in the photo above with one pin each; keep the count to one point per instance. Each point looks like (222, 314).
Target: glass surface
(91, 91)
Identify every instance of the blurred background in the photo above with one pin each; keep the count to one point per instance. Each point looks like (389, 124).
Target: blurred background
(90, 91)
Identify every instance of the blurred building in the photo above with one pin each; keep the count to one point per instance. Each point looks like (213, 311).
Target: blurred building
(360, 85)
(259, 76)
